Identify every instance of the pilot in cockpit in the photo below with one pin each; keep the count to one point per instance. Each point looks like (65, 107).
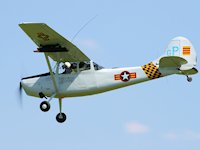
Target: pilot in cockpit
(67, 68)
(70, 67)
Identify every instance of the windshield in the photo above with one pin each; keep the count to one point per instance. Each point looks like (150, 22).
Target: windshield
(97, 67)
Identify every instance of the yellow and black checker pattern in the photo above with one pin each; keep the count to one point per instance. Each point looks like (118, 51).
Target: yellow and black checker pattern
(151, 71)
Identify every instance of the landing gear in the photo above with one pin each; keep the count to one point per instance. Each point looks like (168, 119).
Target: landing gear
(61, 117)
(45, 106)
(189, 79)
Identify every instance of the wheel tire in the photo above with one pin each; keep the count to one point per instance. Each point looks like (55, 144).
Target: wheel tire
(45, 106)
(61, 117)
(189, 79)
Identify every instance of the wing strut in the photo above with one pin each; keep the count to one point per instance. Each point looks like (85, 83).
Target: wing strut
(61, 117)
(52, 75)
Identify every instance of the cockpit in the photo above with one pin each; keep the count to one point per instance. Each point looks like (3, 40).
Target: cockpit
(75, 67)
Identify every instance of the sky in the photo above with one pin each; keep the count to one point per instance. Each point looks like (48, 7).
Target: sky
(160, 114)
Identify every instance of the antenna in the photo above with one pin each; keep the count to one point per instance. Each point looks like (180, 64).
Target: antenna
(83, 27)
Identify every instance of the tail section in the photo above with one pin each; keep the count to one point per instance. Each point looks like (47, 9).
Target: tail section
(183, 48)
(180, 58)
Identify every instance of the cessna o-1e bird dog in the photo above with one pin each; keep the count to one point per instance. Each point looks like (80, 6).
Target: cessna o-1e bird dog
(76, 75)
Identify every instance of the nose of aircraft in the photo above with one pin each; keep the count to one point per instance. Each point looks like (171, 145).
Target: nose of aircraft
(26, 85)
(30, 86)
(23, 84)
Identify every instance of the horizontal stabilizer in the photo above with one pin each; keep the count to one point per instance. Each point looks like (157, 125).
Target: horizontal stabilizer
(190, 71)
(171, 61)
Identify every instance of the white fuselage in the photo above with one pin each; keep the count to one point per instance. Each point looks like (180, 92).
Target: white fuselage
(84, 83)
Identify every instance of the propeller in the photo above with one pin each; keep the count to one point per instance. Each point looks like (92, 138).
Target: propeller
(19, 92)
(20, 100)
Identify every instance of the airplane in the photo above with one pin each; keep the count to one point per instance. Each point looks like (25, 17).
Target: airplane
(77, 75)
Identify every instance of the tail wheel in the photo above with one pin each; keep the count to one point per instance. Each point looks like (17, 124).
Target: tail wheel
(45, 106)
(61, 117)
(189, 79)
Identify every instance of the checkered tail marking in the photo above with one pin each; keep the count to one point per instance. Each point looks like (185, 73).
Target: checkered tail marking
(151, 71)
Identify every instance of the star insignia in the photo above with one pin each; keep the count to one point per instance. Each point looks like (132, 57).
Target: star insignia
(43, 36)
(125, 76)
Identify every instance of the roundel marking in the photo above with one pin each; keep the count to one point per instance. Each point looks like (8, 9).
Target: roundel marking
(125, 76)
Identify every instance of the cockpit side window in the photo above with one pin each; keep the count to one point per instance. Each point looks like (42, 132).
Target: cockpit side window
(84, 66)
(74, 67)
(97, 67)
(66, 68)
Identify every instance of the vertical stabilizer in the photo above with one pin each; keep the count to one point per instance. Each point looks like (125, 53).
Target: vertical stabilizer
(183, 48)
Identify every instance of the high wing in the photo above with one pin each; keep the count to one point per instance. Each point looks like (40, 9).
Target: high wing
(53, 44)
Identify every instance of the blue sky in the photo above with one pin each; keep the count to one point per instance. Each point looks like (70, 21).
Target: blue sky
(161, 114)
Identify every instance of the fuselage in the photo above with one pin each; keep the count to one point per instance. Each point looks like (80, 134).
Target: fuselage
(84, 83)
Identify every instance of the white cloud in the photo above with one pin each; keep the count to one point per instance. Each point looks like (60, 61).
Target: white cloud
(184, 135)
(136, 128)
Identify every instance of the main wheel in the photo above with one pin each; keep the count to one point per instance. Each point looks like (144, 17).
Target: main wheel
(61, 117)
(45, 106)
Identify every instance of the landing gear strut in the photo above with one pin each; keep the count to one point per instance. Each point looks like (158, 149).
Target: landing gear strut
(189, 79)
(45, 106)
(61, 117)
